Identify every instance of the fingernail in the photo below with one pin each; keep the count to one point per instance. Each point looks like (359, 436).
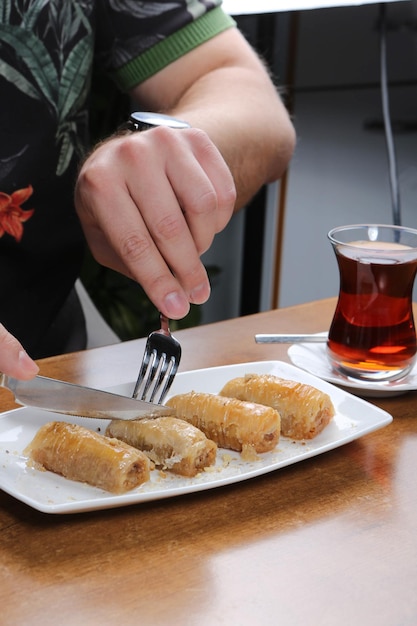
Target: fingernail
(176, 305)
(27, 364)
(200, 294)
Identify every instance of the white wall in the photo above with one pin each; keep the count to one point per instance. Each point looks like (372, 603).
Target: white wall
(339, 173)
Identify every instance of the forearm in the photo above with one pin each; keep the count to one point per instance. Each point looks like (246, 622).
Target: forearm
(248, 123)
(231, 98)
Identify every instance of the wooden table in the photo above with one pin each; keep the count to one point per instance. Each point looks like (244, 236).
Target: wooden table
(328, 541)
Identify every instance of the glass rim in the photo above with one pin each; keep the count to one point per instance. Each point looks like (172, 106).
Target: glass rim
(384, 227)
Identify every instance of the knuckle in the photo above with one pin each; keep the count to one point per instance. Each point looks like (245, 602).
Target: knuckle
(168, 228)
(89, 179)
(127, 151)
(200, 136)
(206, 202)
(228, 196)
(136, 248)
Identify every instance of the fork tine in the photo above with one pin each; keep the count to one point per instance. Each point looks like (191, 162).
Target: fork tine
(150, 373)
(160, 378)
(167, 377)
(169, 380)
(159, 364)
(143, 369)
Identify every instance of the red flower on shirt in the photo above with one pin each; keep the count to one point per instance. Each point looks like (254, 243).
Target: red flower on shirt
(12, 216)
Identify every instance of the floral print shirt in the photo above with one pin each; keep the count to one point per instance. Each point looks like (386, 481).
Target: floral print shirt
(47, 50)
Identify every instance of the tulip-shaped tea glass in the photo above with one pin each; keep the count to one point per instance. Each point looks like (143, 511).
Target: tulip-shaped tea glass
(372, 336)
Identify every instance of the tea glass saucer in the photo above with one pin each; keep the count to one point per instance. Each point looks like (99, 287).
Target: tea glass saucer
(312, 357)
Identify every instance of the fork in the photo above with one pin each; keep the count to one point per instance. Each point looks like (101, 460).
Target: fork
(159, 364)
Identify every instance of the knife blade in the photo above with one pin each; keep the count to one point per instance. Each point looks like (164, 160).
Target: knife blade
(288, 338)
(61, 397)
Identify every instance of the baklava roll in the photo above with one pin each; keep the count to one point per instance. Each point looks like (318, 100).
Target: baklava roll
(231, 423)
(170, 443)
(85, 456)
(304, 410)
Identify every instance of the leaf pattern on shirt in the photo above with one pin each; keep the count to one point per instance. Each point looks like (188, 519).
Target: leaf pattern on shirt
(58, 78)
(145, 9)
(8, 164)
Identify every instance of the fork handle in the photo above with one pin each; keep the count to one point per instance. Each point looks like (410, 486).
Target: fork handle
(164, 324)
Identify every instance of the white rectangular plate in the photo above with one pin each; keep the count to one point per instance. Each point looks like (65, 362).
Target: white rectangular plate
(51, 493)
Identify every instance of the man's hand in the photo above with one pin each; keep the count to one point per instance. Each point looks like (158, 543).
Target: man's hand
(150, 204)
(14, 361)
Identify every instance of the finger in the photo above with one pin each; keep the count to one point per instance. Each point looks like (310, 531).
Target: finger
(163, 258)
(202, 183)
(171, 234)
(181, 206)
(14, 360)
(133, 253)
(207, 194)
(163, 243)
(157, 242)
(119, 238)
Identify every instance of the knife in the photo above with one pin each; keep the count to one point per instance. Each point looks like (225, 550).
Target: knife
(62, 397)
(310, 338)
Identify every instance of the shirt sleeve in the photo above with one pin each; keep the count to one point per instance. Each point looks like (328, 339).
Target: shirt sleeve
(136, 39)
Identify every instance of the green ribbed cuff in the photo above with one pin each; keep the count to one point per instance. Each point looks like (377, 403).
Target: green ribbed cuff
(172, 48)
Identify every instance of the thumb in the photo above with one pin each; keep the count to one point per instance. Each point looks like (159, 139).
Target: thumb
(14, 360)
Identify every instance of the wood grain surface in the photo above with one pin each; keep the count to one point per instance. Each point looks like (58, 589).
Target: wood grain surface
(329, 541)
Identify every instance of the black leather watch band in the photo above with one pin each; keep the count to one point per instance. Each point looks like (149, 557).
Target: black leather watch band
(142, 120)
